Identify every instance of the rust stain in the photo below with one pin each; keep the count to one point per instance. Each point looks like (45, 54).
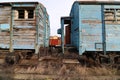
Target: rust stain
(91, 21)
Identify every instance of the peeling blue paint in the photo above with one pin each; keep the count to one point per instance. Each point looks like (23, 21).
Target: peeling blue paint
(90, 31)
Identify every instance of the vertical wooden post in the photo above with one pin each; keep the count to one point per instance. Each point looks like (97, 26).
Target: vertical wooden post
(11, 30)
(37, 34)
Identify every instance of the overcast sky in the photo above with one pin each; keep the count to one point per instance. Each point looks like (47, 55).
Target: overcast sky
(55, 9)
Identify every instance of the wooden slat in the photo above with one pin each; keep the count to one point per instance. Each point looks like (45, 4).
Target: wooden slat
(6, 37)
(4, 33)
(5, 13)
(24, 37)
(25, 42)
(17, 34)
(4, 41)
(24, 32)
(4, 21)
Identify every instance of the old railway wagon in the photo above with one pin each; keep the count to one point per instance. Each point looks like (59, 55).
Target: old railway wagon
(24, 27)
(94, 27)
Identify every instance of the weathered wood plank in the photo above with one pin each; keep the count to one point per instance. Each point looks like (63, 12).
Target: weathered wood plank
(24, 42)
(24, 37)
(4, 33)
(5, 14)
(25, 32)
(6, 37)
(5, 41)
(30, 34)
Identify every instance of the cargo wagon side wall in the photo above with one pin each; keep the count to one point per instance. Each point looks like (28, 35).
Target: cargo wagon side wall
(24, 25)
(40, 25)
(5, 16)
(95, 26)
(98, 27)
(46, 29)
(112, 25)
(90, 28)
(29, 29)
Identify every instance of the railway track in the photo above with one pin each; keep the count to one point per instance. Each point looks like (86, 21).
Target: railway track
(56, 69)
(53, 65)
(54, 77)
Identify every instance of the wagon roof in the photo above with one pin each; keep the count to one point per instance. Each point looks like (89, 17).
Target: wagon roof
(98, 2)
(21, 2)
(9, 3)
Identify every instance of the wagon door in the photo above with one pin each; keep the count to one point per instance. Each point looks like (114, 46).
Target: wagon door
(91, 28)
(112, 27)
(24, 28)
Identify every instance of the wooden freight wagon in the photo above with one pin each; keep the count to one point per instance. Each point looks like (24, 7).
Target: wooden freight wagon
(94, 26)
(23, 26)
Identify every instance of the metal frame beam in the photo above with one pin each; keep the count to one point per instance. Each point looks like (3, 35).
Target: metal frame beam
(64, 20)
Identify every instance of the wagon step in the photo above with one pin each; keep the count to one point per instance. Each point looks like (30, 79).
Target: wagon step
(47, 58)
(12, 58)
(70, 61)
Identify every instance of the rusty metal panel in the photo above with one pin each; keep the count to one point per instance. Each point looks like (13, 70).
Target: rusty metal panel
(67, 35)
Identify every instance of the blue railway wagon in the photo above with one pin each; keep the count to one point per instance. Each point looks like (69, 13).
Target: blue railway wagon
(95, 26)
(23, 26)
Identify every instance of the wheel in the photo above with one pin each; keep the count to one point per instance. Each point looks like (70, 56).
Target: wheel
(12, 58)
